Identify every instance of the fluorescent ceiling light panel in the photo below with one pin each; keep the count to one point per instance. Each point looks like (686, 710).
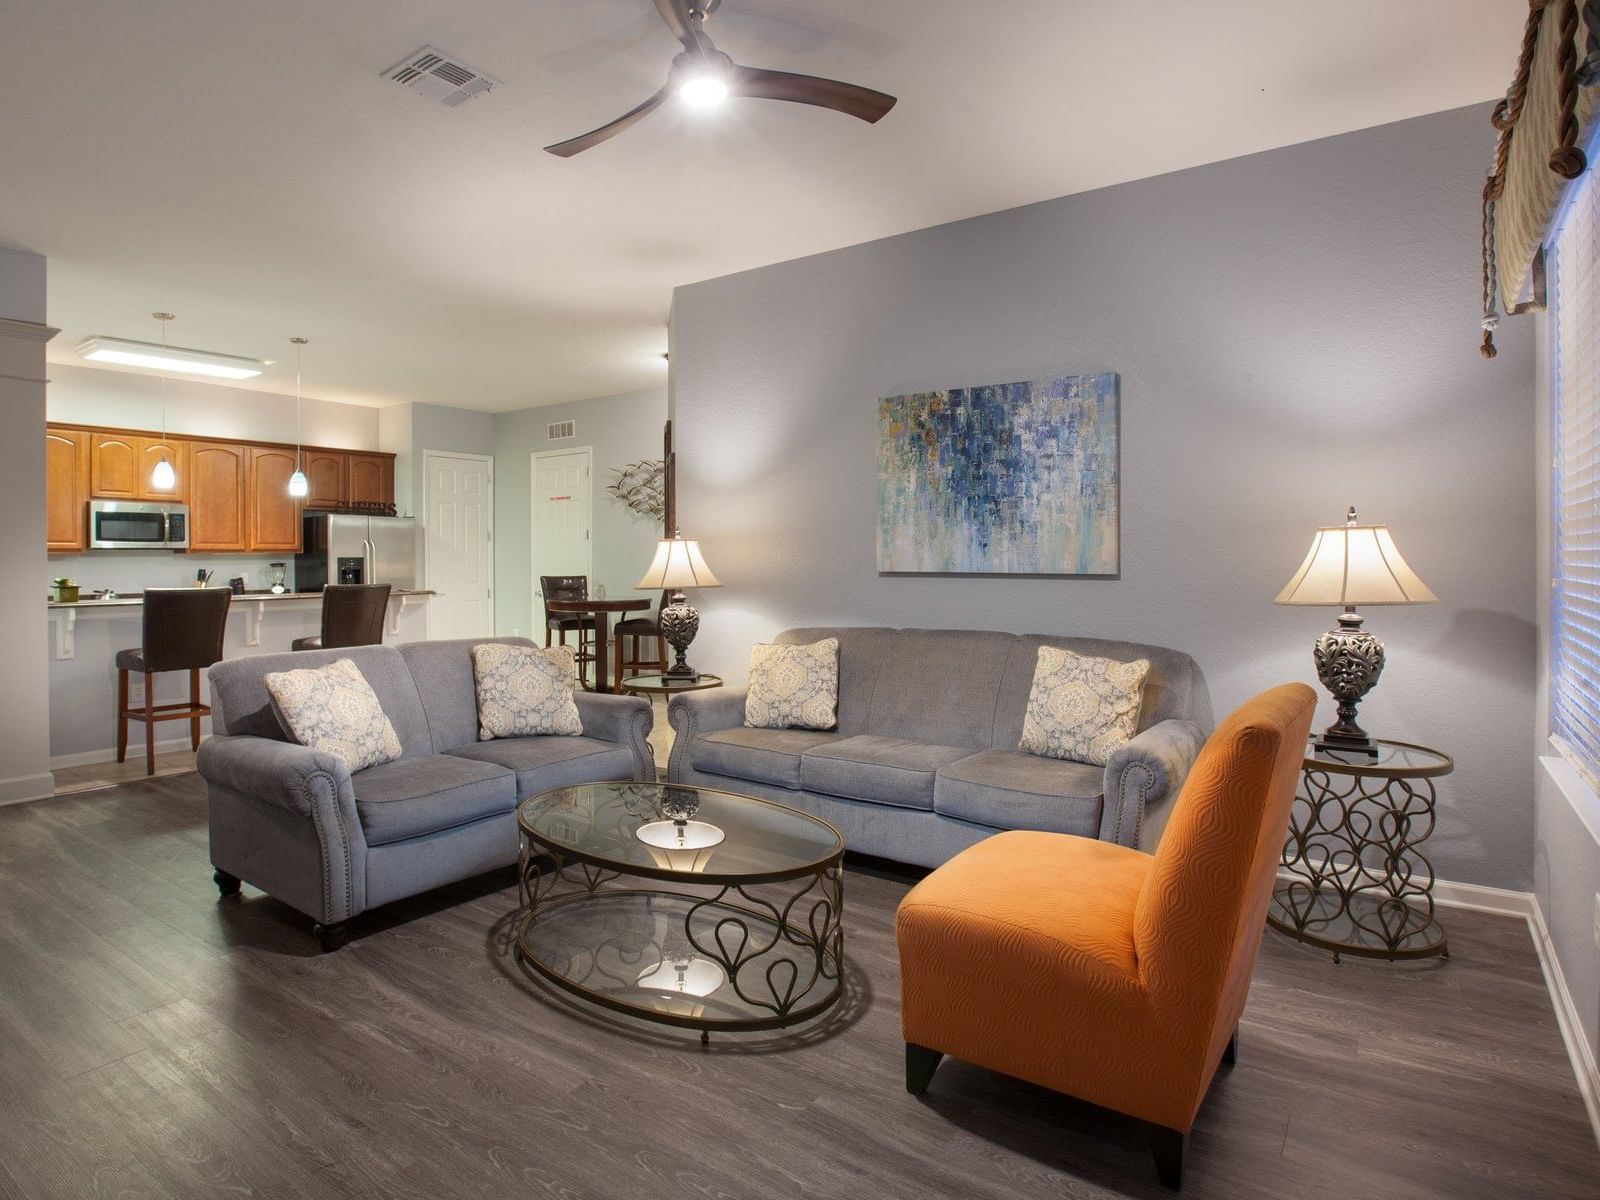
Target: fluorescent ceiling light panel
(126, 353)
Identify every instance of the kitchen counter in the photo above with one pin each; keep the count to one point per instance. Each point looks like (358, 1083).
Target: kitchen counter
(85, 637)
(239, 598)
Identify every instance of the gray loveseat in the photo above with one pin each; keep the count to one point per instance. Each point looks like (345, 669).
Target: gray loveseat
(924, 762)
(294, 823)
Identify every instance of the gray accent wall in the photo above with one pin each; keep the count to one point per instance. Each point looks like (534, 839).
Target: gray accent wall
(1295, 331)
(620, 430)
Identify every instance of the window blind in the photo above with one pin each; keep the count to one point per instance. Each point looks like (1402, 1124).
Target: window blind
(1575, 499)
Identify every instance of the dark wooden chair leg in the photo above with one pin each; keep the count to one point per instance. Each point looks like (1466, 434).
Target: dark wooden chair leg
(194, 702)
(227, 884)
(921, 1063)
(1230, 1054)
(149, 723)
(1166, 1145)
(332, 936)
(122, 716)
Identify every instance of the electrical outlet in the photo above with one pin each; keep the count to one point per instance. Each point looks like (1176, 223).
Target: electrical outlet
(135, 691)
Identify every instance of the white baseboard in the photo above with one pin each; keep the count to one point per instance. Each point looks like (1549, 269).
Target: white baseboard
(1483, 899)
(22, 788)
(1578, 1048)
(109, 754)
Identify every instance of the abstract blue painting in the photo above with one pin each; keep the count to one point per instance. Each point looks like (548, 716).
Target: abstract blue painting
(1008, 479)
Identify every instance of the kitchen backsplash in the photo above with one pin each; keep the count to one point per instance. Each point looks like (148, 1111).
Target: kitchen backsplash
(135, 570)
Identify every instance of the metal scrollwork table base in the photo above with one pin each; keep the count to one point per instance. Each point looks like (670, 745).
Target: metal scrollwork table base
(1354, 878)
(750, 937)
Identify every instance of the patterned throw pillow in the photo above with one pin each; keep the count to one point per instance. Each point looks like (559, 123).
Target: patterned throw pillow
(334, 708)
(524, 691)
(1082, 708)
(793, 687)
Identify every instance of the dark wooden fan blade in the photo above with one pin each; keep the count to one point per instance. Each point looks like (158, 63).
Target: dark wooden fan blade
(760, 84)
(676, 14)
(594, 137)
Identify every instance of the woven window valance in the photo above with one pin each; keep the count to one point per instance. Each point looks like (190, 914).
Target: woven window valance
(1544, 122)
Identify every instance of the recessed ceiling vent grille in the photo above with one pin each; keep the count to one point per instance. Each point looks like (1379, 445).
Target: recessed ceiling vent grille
(560, 431)
(434, 74)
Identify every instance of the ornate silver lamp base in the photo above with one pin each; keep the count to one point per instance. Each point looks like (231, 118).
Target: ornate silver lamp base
(679, 623)
(1349, 661)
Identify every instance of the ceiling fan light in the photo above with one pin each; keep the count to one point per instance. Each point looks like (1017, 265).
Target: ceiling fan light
(706, 90)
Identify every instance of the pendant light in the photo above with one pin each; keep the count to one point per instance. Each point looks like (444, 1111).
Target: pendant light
(163, 478)
(298, 486)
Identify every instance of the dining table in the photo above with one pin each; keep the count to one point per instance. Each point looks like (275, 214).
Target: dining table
(601, 611)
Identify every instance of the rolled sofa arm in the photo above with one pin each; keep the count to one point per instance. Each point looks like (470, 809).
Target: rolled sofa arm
(693, 713)
(1148, 769)
(624, 719)
(271, 802)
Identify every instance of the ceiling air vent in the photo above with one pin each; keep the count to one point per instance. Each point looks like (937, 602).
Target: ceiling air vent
(560, 431)
(434, 74)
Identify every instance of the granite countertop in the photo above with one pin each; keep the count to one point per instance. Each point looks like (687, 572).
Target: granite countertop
(135, 601)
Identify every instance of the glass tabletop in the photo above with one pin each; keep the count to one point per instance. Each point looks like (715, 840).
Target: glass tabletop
(1397, 760)
(670, 683)
(666, 831)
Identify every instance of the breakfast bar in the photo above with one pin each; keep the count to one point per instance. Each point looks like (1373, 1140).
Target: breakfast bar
(86, 635)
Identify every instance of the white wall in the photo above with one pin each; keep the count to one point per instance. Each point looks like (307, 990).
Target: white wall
(1295, 331)
(620, 430)
(24, 748)
(91, 396)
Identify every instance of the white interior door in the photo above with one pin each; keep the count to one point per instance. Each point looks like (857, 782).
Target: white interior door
(560, 519)
(458, 505)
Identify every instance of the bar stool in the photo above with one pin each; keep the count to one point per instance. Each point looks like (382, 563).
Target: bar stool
(637, 629)
(569, 587)
(183, 630)
(352, 615)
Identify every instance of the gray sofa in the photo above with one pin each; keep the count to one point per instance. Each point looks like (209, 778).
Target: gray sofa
(293, 822)
(924, 762)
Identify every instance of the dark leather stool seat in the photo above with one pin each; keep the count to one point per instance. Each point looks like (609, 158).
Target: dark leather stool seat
(352, 615)
(183, 630)
(638, 629)
(570, 587)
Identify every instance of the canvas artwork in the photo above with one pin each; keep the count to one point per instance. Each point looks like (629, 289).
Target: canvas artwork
(1007, 479)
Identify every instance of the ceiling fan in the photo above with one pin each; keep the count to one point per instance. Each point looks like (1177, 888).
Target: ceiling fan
(703, 76)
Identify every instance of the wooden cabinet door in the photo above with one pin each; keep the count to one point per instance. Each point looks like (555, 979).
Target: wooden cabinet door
(327, 473)
(66, 490)
(150, 451)
(114, 466)
(371, 478)
(273, 522)
(217, 496)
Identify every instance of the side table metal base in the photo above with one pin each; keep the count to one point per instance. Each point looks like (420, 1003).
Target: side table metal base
(1364, 927)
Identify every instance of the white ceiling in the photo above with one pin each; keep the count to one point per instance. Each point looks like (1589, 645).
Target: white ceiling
(243, 165)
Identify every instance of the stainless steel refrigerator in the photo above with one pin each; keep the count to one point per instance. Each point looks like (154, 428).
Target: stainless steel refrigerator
(345, 548)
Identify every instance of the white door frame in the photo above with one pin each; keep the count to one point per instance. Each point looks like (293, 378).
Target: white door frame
(427, 496)
(536, 612)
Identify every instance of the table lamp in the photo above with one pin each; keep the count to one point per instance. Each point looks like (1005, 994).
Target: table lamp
(678, 564)
(1347, 565)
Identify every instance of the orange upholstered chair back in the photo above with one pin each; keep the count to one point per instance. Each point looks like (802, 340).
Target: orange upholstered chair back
(1203, 907)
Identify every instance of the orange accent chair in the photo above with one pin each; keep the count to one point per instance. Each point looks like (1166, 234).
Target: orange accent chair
(1100, 971)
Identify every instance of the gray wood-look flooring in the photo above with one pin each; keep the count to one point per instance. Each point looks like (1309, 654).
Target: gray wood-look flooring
(157, 1042)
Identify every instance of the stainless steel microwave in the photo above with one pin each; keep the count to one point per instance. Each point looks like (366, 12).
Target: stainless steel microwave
(138, 525)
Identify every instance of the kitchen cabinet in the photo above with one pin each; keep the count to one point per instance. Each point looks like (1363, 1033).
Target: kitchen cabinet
(217, 508)
(114, 466)
(273, 516)
(66, 487)
(150, 452)
(371, 478)
(327, 474)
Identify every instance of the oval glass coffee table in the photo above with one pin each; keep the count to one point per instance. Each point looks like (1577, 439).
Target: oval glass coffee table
(690, 907)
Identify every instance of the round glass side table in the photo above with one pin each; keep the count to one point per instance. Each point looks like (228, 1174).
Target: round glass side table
(1354, 878)
(669, 685)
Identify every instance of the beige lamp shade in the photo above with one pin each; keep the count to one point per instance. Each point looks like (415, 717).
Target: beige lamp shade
(678, 564)
(1351, 565)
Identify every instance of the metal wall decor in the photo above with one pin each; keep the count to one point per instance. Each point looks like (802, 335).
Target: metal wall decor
(642, 487)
